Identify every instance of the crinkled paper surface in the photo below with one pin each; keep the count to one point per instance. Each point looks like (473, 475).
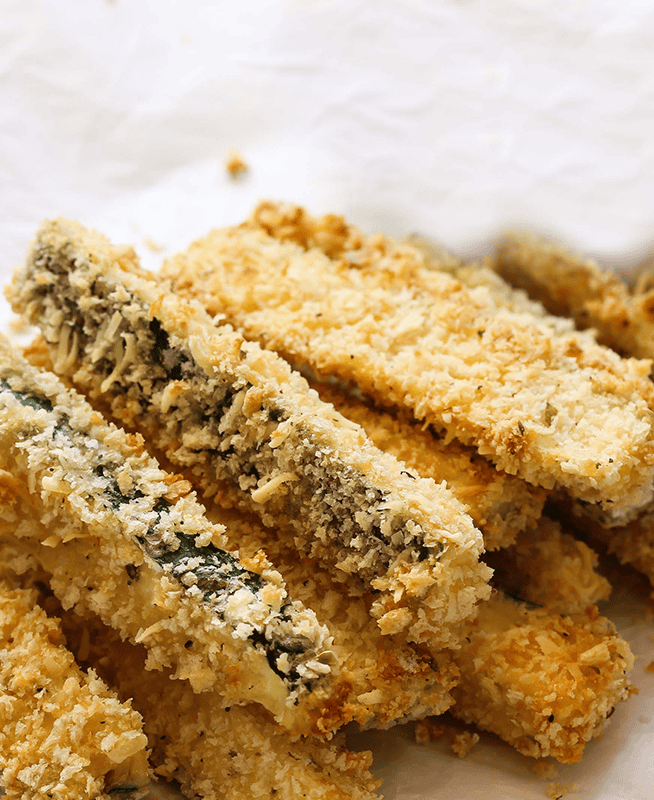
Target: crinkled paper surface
(454, 119)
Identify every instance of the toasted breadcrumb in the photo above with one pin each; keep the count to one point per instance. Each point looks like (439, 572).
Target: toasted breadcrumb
(500, 505)
(430, 730)
(463, 743)
(225, 410)
(557, 791)
(219, 753)
(64, 734)
(236, 165)
(569, 284)
(541, 400)
(131, 542)
(550, 568)
(153, 247)
(545, 770)
(545, 683)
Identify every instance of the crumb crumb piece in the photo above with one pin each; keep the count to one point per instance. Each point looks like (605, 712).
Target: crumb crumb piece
(236, 165)
(546, 770)
(463, 743)
(558, 790)
(644, 719)
(153, 246)
(428, 730)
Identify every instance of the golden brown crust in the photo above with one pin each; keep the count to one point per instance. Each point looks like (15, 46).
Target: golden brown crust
(545, 683)
(550, 568)
(569, 284)
(539, 399)
(220, 753)
(64, 734)
(384, 680)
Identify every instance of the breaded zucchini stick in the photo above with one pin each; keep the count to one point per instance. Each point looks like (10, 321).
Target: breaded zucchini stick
(381, 678)
(226, 410)
(631, 544)
(219, 753)
(551, 568)
(131, 543)
(541, 400)
(545, 683)
(64, 734)
(571, 285)
(389, 681)
(500, 505)
(543, 565)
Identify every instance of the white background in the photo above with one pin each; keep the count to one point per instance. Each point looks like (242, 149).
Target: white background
(454, 119)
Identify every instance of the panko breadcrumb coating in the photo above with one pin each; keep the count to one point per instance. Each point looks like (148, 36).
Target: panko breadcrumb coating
(131, 543)
(219, 753)
(568, 284)
(64, 734)
(631, 544)
(389, 681)
(500, 505)
(541, 400)
(227, 411)
(551, 568)
(543, 682)
(381, 678)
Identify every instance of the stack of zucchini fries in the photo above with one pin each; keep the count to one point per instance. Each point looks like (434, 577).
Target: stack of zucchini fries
(304, 478)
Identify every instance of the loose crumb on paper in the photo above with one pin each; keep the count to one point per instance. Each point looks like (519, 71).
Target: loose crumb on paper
(427, 730)
(153, 247)
(463, 743)
(546, 770)
(556, 791)
(236, 165)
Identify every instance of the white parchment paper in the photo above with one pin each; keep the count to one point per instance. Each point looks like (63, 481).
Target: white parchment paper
(451, 118)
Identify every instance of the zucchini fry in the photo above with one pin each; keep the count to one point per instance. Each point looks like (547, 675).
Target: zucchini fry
(571, 285)
(550, 568)
(64, 734)
(542, 565)
(632, 544)
(539, 399)
(381, 678)
(545, 683)
(219, 753)
(500, 505)
(229, 412)
(131, 543)
(389, 681)
(568, 283)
